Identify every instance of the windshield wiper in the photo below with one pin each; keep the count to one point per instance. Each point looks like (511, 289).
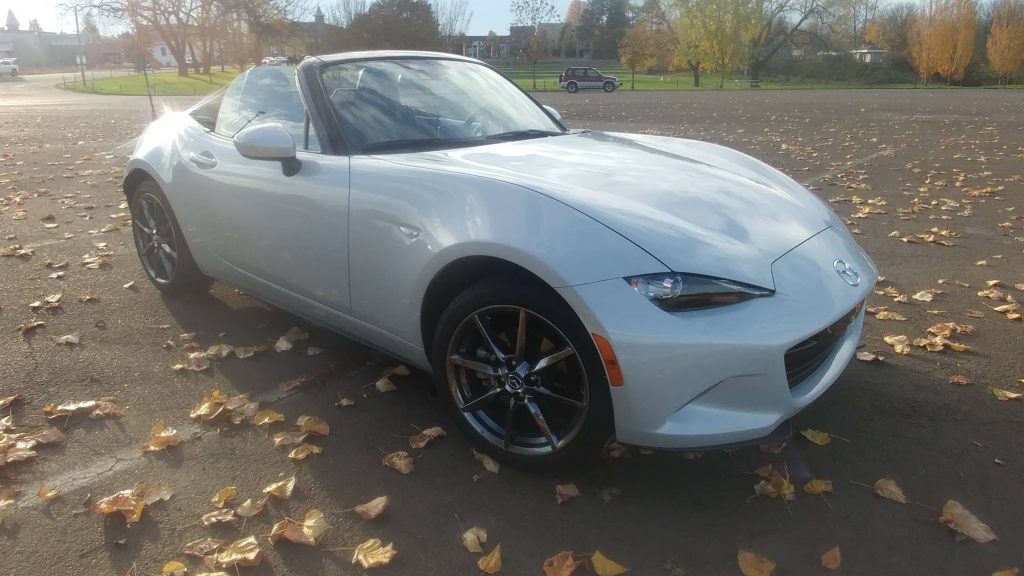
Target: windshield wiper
(412, 144)
(523, 135)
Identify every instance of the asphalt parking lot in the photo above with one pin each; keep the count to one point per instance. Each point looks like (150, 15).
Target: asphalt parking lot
(914, 159)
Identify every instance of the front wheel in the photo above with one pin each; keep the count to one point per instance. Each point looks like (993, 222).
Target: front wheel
(165, 257)
(572, 87)
(609, 86)
(520, 373)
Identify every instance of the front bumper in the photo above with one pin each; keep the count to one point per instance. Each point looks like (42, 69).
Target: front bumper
(718, 376)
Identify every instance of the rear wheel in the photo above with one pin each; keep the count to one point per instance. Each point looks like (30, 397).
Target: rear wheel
(165, 257)
(572, 87)
(520, 373)
(609, 86)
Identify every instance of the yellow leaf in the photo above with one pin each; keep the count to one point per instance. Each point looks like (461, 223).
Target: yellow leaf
(282, 489)
(753, 565)
(267, 416)
(289, 437)
(161, 438)
(400, 461)
(816, 486)
(776, 486)
(816, 436)
(472, 539)
(426, 436)
(564, 492)
(373, 508)
(900, 343)
(127, 502)
(1009, 572)
(47, 494)
(960, 519)
(1004, 395)
(603, 566)
(831, 559)
(488, 463)
(244, 552)
(174, 569)
(887, 315)
(888, 488)
(313, 425)
(306, 532)
(250, 508)
(561, 564)
(202, 548)
(373, 553)
(491, 563)
(222, 516)
(302, 450)
(223, 495)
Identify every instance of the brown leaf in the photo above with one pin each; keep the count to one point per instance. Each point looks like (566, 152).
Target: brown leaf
(161, 438)
(222, 516)
(960, 380)
(126, 502)
(209, 407)
(888, 488)
(400, 461)
(373, 508)
(753, 565)
(307, 532)
(561, 564)
(313, 425)
(202, 548)
(472, 539)
(290, 437)
(282, 489)
(344, 402)
(250, 508)
(302, 450)
(488, 463)
(831, 559)
(565, 492)
(960, 519)
(243, 552)
(267, 416)
(426, 436)
(491, 563)
(373, 553)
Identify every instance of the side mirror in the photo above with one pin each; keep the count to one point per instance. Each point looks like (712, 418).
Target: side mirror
(553, 112)
(269, 142)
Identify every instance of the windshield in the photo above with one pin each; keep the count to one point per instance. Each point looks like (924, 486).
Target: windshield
(387, 106)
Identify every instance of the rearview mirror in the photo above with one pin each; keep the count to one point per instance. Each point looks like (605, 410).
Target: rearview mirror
(553, 112)
(269, 142)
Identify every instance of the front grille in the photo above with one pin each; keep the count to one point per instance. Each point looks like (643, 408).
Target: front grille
(803, 359)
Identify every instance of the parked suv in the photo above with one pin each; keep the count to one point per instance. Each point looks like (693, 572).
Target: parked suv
(575, 79)
(8, 67)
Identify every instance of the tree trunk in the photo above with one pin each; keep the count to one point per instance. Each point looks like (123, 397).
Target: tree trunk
(755, 70)
(182, 67)
(721, 80)
(633, 80)
(696, 76)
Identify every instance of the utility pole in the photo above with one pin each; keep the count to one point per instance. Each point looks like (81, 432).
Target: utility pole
(81, 55)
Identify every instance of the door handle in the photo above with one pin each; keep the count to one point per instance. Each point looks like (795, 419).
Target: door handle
(203, 160)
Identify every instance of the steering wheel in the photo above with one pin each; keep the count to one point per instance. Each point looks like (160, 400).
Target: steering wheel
(482, 117)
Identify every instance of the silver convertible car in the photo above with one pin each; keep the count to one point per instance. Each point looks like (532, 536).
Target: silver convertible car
(561, 285)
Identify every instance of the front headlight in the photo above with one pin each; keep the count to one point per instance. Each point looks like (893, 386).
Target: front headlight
(674, 292)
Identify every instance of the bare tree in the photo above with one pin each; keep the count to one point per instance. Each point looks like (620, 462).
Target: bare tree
(453, 17)
(777, 22)
(343, 12)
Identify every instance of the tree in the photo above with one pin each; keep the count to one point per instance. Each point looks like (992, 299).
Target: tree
(12, 22)
(923, 40)
(343, 12)
(1005, 44)
(641, 48)
(890, 29)
(776, 22)
(396, 24)
(89, 25)
(453, 18)
(531, 14)
(492, 43)
(604, 23)
(720, 31)
(33, 26)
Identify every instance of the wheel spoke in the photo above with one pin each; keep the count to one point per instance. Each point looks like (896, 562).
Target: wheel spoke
(538, 417)
(166, 248)
(143, 226)
(481, 401)
(553, 359)
(509, 417)
(167, 264)
(542, 391)
(148, 213)
(478, 367)
(521, 337)
(488, 336)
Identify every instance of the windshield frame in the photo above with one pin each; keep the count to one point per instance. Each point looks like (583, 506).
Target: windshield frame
(311, 72)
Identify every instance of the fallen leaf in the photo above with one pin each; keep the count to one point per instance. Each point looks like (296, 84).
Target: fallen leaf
(174, 569)
(776, 486)
(161, 438)
(313, 425)
(344, 402)
(290, 437)
(564, 492)
(222, 516)
(472, 538)
(816, 436)
(313, 351)
(1009, 572)
(155, 492)
(30, 326)
(491, 563)
(130, 286)
(1004, 395)
(373, 553)
(219, 351)
(126, 502)
(831, 559)
(267, 416)
(209, 407)
(223, 495)
(385, 385)
(960, 519)
(45, 494)
(869, 357)
(244, 552)
(400, 461)
(282, 489)
(8, 401)
(302, 450)
(69, 340)
(488, 463)
(608, 494)
(561, 564)
(753, 565)
(887, 315)
(202, 548)
(888, 488)
(816, 486)
(900, 343)
(924, 296)
(307, 532)
(373, 508)
(426, 436)
(250, 507)
(603, 566)
(960, 380)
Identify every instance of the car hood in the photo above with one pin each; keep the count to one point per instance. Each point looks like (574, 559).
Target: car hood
(697, 207)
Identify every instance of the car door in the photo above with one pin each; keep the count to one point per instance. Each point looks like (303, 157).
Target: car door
(593, 78)
(283, 238)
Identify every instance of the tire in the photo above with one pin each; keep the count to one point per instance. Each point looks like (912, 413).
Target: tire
(161, 246)
(572, 87)
(14, 73)
(609, 87)
(570, 393)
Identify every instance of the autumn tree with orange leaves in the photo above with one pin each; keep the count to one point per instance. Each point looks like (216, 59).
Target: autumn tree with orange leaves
(941, 38)
(1005, 45)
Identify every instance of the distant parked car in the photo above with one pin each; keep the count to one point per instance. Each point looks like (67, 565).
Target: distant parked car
(8, 67)
(274, 61)
(576, 79)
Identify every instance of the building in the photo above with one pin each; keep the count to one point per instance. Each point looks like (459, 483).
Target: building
(485, 47)
(869, 54)
(43, 48)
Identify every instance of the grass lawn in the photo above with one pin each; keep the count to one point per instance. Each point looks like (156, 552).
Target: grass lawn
(161, 84)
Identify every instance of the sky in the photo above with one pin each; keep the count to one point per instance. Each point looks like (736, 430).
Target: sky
(487, 14)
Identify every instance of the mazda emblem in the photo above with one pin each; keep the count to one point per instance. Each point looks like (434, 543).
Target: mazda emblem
(847, 272)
